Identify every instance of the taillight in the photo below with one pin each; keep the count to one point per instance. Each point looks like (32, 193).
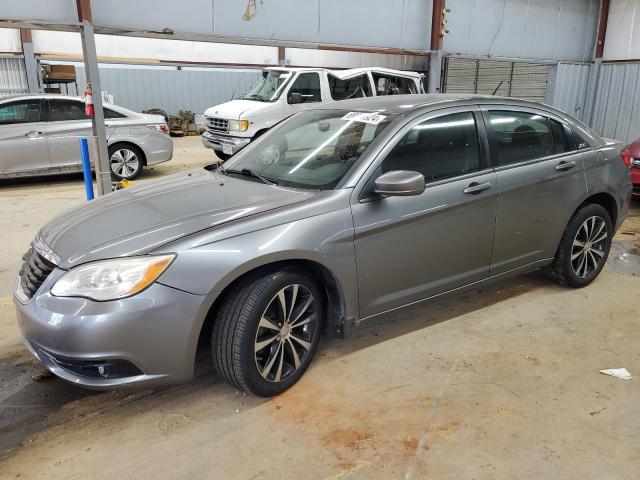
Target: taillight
(626, 157)
(160, 127)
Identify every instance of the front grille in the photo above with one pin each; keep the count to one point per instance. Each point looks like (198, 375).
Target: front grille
(35, 270)
(217, 125)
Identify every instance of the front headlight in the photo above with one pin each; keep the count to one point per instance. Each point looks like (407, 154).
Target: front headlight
(239, 125)
(111, 279)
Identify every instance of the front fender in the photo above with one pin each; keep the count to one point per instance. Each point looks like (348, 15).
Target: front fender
(325, 239)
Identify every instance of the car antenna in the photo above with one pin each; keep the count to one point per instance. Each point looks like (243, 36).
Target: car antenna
(498, 87)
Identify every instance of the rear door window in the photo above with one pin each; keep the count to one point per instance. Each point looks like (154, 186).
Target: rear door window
(22, 111)
(559, 136)
(393, 85)
(352, 87)
(520, 136)
(66, 110)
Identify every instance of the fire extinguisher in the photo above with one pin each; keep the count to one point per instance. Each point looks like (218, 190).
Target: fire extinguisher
(88, 101)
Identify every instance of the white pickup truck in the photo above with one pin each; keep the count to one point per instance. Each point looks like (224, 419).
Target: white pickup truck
(281, 92)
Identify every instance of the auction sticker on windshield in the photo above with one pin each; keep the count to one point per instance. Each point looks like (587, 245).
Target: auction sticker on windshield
(366, 117)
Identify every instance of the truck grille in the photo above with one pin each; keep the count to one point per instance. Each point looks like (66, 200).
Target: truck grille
(35, 270)
(217, 125)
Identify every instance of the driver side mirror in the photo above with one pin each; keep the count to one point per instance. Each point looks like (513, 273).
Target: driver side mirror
(400, 183)
(295, 98)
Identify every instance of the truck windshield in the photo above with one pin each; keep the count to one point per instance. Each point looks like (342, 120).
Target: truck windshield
(269, 87)
(314, 149)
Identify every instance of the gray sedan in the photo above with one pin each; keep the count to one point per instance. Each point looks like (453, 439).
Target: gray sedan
(336, 216)
(39, 135)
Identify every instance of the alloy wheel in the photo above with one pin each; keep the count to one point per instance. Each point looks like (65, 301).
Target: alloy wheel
(589, 246)
(285, 333)
(124, 162)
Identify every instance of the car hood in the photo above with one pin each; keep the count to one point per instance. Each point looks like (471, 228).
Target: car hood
(242, 109)
(136, 220)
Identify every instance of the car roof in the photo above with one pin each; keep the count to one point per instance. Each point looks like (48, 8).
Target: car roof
(348, 72)
(23, 96)
(394, 104)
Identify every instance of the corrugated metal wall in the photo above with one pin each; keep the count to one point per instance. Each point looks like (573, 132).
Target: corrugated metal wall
(570, 89)
(617, 105)
(487, 77)
(13, 77)
(140, 88)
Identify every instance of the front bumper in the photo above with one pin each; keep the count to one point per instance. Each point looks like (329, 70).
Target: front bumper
(150, 338)
(224, 143)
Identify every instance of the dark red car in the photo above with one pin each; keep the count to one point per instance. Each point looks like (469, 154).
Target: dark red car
(631, 156)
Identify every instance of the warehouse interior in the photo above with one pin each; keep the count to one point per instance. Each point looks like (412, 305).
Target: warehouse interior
(500, 380)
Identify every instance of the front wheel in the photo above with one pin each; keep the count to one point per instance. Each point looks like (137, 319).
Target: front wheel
(584, 247)
(267, 331)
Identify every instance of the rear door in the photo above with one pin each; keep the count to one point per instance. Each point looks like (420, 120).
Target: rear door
(23, 146)
(540, 179)
(412, 248)
(66, 125)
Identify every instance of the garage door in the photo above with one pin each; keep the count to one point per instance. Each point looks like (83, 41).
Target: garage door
(488, 77)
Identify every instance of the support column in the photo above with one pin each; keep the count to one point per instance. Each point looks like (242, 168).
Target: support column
(435, 59)
(101, 163)
(594, 71)
(30, 62)
(435, 70)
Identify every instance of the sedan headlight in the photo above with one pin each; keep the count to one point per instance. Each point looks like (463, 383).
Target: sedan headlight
(111, 279)
(239, 125)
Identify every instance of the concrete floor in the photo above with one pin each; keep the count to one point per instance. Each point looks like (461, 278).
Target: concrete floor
(499, 383)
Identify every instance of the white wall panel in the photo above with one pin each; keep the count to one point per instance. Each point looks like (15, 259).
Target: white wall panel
(150, 49)
(623, 31)
(570, 88)
(535, 29)
(375, 23)
(303, 57)
(10, 40)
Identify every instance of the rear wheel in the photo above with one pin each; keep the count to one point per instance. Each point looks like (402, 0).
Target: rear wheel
(267, 331)
(584, 247)
(126, 161)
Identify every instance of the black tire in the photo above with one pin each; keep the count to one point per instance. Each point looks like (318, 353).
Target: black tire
(238, 332)
(126, 161)
(580, 258)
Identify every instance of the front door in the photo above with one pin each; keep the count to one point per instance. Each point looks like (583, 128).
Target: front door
(412, 248)
(306, 87)
(540, 179)
(23, 146)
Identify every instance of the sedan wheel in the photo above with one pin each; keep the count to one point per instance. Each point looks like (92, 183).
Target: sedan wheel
(266, 331)
(285, 333)
(589, 246)
(584, 247)
(126, 162)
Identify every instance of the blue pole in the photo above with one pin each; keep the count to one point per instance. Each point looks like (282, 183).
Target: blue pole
(86, 168)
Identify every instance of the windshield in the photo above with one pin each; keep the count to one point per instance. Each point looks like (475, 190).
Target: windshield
(314, 149)
(269, 87)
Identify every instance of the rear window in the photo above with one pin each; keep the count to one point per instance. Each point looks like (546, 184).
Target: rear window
(353, 87)
(393, 85)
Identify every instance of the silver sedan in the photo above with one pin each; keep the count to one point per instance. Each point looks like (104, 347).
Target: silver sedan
(334, 217)
(39, 135)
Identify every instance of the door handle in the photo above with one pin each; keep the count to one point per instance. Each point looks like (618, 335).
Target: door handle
(562, 166)
(474, 188)
(33, 134)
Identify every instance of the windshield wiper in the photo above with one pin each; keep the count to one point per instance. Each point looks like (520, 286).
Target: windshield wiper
(249, 173)
(254, 97)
